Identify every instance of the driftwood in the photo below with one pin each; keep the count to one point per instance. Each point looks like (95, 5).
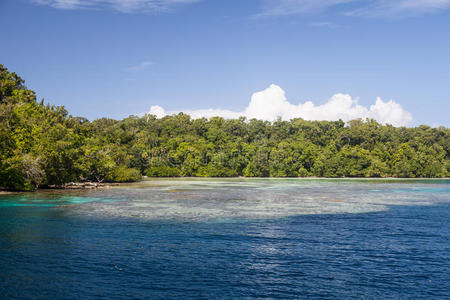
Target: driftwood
(81, 185)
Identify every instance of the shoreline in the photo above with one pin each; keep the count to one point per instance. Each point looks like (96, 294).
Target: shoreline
(68, 186)
(101, 185)
(79, 185)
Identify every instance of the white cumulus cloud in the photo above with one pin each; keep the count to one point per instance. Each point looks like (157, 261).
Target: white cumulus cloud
(272, 103)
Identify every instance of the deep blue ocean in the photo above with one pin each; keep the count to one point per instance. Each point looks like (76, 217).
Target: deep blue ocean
(227, 239)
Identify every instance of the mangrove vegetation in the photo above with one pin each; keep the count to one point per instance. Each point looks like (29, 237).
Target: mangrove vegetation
(42, 145)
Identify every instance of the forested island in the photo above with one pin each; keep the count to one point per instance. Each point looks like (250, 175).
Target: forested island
(42, 145)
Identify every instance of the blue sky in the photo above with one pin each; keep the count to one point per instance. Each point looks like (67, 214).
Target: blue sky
(112, 58)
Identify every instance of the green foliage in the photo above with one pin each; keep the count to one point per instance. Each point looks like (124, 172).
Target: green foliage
(163, 171)
(124, 174)
(43, 145)
(22, 173)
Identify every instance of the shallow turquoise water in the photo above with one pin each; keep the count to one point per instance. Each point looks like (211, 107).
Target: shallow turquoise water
(44, 200)
(229, 238)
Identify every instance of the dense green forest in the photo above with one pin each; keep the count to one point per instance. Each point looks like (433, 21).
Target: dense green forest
(43, 145)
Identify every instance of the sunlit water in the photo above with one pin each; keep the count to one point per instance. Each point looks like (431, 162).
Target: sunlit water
(229, 238)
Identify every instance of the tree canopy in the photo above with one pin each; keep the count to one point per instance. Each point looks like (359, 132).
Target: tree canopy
(41, 145)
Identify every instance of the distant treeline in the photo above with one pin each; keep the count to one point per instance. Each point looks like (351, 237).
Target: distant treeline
(43, 145)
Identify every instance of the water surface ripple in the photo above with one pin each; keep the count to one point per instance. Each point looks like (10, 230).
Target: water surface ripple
(229, 238)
